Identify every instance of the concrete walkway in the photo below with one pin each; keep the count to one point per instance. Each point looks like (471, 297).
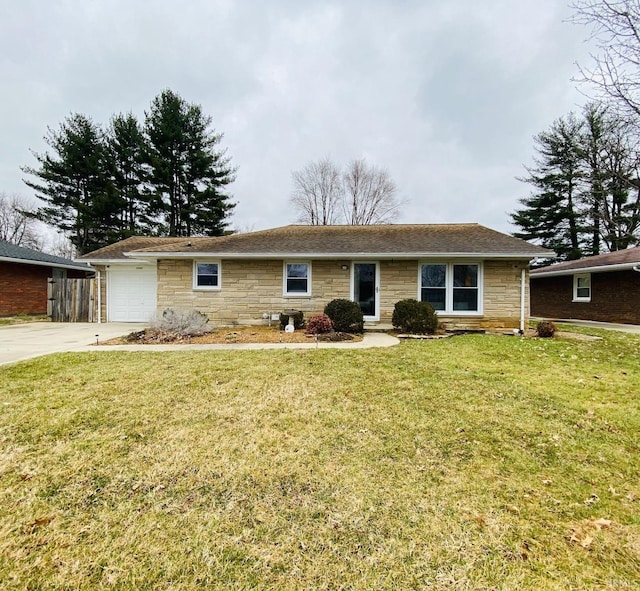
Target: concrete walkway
(631, 328)
(19, 342)
(33, 339)
(369, 340)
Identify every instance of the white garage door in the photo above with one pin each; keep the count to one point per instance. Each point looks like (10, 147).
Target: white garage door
(131, 293)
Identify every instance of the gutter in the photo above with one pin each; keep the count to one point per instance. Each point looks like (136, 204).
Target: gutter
(324, 255)
(599, 269)
(77, 267)
(126, 261)
(523, 286)
(99, 278)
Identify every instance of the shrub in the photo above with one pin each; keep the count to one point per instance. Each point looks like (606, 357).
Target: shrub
(345, 315)
(182, 322)
(545, 329)
(414, 317)
(319, 324)
(298, 319)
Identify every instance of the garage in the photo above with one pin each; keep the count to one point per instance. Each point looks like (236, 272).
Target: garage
(131, 293)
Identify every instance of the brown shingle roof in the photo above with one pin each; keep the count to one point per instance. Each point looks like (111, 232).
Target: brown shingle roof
(117, 249)
(384, 240)
(629, 256)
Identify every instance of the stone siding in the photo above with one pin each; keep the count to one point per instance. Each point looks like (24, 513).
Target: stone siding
(250, 288)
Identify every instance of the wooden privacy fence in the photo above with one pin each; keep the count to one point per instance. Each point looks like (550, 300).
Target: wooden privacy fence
(72, 300)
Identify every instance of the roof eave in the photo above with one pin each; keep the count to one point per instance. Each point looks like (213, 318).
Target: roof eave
(595, 269)
(112, 261)
(332, 255)
(45, 264)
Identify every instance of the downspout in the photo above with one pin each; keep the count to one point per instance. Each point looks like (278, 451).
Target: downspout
(99, 277)
(523, 275)
(636, 268)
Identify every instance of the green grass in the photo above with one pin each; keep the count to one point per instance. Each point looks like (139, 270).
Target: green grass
(477, 462)
(22, 318)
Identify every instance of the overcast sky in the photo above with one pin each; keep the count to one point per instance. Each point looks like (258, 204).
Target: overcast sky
(446, 95)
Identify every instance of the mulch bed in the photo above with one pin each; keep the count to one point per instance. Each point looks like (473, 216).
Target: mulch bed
(222, 336)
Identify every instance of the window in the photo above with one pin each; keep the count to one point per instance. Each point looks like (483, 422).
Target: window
(434, 286)
(451, 287)
(582, 288)
(297, 279)
(206, 275)
(465, 288)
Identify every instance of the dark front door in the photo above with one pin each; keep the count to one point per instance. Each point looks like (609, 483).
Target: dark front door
(365, 288)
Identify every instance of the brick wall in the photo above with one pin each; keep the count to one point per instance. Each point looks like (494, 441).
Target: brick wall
(251, 288)
(23, 289)
(615, 297)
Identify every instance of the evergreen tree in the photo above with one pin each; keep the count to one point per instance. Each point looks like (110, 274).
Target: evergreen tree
(126, 150)
(551, 216)
(167, 178)
(187, 174)
(613, 206)
(593, 153)
(587, 186)
(75, 185)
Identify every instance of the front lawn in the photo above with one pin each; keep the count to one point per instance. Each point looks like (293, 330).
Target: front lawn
(22, 319)
(476, 462)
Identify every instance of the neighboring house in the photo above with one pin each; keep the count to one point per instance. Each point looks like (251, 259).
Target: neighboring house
(473, 276)
(604, 287)
(24, 274)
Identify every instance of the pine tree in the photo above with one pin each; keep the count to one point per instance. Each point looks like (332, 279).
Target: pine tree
(551, 216)
(587, 185)
(613, 206)
(126, 149)
(75, 185)
(187, 174)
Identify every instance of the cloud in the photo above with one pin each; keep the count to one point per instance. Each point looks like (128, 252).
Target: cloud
(446, 96)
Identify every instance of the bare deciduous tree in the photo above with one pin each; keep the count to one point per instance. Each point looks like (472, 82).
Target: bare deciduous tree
(615, 28)
(369, 195)
(61, 246)
(361, 196)
(16, 226)
(317, 193)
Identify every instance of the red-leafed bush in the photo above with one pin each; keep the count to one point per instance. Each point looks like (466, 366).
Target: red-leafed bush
(319, 324)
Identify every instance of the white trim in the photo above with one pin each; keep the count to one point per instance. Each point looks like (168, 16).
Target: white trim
(195, 285)
(128, 260)
(597, 269)
(576, 297)
(99, 281)
(387, 256)
(376, 316)
(295, 294)
(523, 292)
(449, 311)
(77, 267)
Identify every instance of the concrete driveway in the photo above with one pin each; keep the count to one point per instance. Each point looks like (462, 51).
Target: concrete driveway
(25, 341)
